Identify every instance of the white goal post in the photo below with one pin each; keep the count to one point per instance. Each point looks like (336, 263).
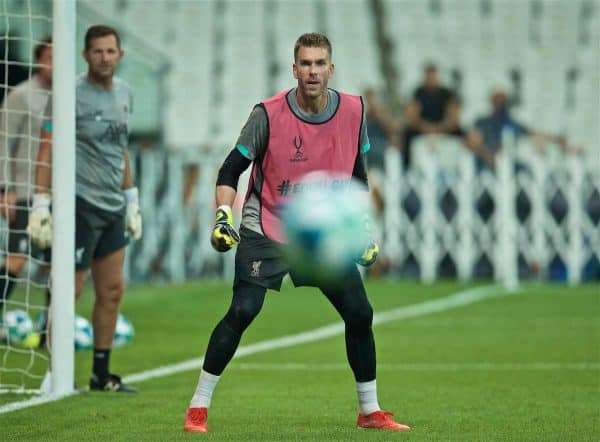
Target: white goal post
(25, 366)
(63, 203)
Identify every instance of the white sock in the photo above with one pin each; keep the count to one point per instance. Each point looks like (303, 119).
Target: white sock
(367, 397)
(204, 390)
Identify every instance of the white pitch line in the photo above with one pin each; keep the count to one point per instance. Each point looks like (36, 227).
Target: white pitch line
(436, 305)
(291, 366)
(412, 311)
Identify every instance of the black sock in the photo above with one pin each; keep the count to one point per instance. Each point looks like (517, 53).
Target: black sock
(100, 368)
(7, 284)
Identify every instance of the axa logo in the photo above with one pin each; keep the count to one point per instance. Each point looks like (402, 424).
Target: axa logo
(298, 155)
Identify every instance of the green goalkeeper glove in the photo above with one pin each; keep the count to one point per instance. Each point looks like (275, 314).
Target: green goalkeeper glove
(224, 235)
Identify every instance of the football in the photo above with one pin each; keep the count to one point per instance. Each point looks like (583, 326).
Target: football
(324, 225)
(18, 329)
(84, 334)
(124, 332)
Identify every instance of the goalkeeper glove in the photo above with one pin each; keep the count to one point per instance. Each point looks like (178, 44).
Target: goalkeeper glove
(224, 236)
(369, 255)
(370, 252)
(39, 227)
(133, 217)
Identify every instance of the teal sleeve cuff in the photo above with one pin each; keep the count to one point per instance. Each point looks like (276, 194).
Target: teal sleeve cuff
(366, 147)
(47, 126)
(243, 150)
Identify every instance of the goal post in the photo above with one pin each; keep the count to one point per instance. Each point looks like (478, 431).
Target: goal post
(63, 201)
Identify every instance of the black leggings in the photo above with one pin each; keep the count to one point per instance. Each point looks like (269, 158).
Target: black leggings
(350, 300)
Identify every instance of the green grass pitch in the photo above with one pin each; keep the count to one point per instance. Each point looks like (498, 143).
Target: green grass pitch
(523, 367)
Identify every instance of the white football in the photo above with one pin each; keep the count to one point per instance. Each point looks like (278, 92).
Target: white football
(324, 225)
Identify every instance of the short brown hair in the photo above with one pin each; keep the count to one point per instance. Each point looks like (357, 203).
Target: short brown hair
(44, 43)
(312, 40)
(98, 31)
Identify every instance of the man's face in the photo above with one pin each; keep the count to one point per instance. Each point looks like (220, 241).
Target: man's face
(313, 69)
(45, 68)
(498, 101)
(431, 77)
(103, 56)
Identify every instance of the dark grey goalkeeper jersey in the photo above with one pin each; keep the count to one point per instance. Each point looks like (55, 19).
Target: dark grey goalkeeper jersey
(102, 130)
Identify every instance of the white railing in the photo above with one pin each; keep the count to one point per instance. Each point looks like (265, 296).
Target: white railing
(522, 218)
(443, 218)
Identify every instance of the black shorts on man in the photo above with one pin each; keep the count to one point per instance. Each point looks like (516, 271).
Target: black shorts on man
(260, 261)
(98, 233)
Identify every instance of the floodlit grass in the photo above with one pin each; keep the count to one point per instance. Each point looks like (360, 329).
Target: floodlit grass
(518, 367)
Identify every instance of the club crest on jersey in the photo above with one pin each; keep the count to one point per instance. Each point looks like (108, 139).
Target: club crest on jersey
(298, 155)
(255, 269)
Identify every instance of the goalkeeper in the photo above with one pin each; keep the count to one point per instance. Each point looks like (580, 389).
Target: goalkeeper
(21, 121)
(304, 129)
(106, 201)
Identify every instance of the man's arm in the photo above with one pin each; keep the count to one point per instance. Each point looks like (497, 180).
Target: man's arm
(359, 171)
(11, 125)
(133, 216)
(475, 143)
(451, 120)
(14, 112)
(540, 138)
(43, 167)
(127, 178)
(225, 195)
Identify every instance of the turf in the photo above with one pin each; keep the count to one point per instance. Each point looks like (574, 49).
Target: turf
(518, 367)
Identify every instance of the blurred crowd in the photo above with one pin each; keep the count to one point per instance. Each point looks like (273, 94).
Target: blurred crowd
(435, 109)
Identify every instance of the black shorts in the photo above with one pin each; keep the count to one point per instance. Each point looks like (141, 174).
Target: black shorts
(97, 233)
(260, 261)
(18, 239)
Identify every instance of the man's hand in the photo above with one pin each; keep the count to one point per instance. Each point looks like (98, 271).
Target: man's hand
(224, 236)
(39, 227)
(369, 255)
(133, 217)
(371, 250)
(8, 205)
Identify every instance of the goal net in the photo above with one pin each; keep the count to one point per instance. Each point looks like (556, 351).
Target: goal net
(26, 53)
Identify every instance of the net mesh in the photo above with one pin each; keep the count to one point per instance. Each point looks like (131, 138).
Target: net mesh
(23, 270)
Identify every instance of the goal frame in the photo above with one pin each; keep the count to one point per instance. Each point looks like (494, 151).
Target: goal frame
(62, 309)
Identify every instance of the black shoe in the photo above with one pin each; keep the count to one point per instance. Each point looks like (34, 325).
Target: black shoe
(112, 383)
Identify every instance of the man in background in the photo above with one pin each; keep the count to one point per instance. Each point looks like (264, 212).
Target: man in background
(106, 205)
(12, 70)
(434, 109)
(21, 120)
(485, 138)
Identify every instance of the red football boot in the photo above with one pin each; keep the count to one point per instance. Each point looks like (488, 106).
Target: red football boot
(380, 420)
(195, 420)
